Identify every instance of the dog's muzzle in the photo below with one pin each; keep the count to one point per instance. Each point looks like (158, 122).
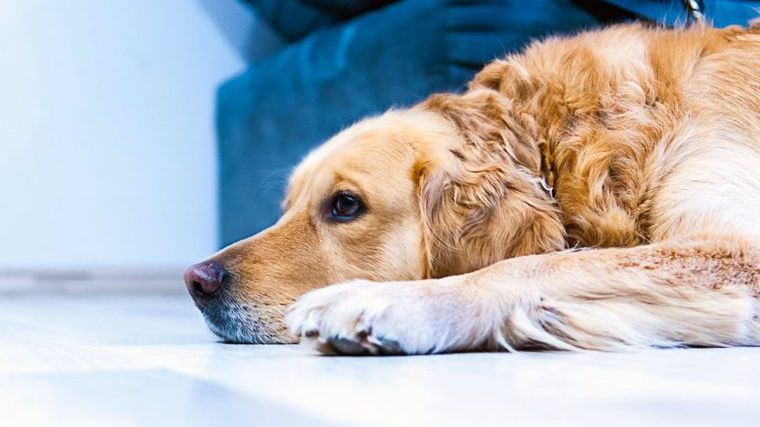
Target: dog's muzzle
(209, 284)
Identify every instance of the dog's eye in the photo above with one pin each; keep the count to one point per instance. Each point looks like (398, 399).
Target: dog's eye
(345, 207)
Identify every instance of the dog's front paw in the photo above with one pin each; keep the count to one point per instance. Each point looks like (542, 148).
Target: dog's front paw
(388, 318)
(357, 317)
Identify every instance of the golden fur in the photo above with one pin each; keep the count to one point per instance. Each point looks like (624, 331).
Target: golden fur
(650, 139)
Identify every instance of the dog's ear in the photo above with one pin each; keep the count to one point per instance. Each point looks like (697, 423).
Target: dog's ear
(457, 203)
(481, 200)
(489, 127)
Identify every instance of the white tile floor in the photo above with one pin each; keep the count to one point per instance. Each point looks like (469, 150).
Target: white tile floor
(149, 360)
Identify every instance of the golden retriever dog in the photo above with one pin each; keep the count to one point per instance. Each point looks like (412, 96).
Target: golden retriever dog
(600, 191)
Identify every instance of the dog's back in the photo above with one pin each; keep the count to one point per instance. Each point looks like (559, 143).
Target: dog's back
(708, 172)
(634, 117)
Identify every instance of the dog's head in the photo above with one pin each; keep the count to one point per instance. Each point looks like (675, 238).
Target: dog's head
(444, 188)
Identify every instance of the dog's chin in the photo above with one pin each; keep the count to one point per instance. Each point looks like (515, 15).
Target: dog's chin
(237, 326)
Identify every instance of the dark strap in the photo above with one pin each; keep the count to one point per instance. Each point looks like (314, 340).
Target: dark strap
(674, 13)
(695, 11)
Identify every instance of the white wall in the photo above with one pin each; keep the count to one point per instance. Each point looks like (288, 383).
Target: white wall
(107, 155)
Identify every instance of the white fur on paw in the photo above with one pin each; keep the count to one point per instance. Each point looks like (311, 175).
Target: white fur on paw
(364, 317)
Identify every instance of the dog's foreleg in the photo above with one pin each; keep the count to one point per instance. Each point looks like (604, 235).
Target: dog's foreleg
(700, 292)
(696, 291)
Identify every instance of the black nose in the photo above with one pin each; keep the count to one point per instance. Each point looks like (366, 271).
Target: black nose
(204, 279)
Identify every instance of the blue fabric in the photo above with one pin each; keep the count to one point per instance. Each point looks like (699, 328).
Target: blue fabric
(293, 19)
(351, 59)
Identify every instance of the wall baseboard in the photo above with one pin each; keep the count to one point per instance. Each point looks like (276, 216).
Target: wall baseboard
(140, 280)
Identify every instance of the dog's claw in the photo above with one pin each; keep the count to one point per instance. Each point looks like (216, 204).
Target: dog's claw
(348, 346)
(388, 346)
(361, 345)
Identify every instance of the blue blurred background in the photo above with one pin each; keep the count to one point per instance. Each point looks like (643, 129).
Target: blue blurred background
(346, 59)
